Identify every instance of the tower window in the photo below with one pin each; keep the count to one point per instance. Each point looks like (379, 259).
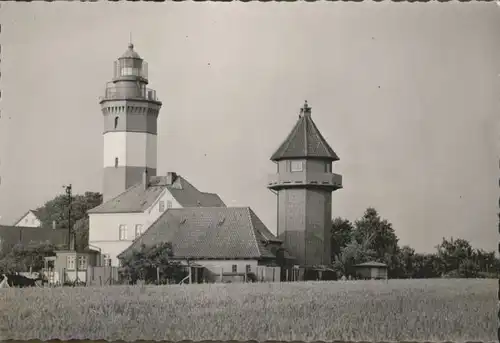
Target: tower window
(296, 166)
(116, 162)
(116, 122)
(328, 168)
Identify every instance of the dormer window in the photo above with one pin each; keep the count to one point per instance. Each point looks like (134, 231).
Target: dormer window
(296, 166)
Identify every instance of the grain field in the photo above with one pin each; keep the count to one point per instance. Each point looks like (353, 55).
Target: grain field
(400, 310)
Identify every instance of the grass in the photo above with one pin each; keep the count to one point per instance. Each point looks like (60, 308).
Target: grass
(400, 310)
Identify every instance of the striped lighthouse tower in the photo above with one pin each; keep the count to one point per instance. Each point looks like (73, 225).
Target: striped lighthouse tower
(130, 111)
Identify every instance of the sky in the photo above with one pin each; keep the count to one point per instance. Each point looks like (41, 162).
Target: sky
(406, 94)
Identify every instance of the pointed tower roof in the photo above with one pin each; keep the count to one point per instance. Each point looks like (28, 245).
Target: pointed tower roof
(305, 141)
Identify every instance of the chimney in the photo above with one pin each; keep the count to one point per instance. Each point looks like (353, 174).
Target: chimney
(53, 225)
(145, 179)
(171, 176)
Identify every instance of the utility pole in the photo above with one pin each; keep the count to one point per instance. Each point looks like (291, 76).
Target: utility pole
(71, 233)
(68, 193)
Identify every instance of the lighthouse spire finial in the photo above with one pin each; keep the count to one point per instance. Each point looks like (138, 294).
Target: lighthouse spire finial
(130, 44)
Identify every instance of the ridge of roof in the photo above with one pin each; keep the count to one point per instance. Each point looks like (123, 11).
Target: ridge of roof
(136, 199)
(305, 141)
(253, 229)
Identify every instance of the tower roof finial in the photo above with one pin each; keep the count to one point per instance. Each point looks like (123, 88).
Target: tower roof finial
(306, 109)
(130, 44)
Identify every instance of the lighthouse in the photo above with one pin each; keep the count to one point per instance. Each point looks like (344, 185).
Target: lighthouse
(130, 111)
(304, 183)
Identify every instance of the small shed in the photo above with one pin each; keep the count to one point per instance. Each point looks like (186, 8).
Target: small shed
(371, 270)
(69, 265)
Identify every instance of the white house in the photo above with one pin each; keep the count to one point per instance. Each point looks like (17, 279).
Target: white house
(29, 219)
(114, 225)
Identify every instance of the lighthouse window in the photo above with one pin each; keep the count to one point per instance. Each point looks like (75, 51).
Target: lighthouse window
(116, 122)
(296, 166)
(130, 71)
(116, 162)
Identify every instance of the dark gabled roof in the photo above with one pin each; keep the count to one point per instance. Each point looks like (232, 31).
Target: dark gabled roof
(138, 199)
(305, 141)
(26, 236)
(209, 232)
(35, 212)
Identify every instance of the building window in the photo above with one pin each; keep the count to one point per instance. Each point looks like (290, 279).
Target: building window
(106, 259)
(70, 262)
(82, 262)
(235, 268)
(138, 230)
(328, 168)
(26, 221)
(123, 232)
(116, 162)
(296, 166)
(162, 205)
(248, 268)
(116, 122)
(169, 204)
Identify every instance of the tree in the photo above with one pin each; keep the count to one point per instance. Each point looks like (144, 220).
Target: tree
(57, 210)
(384, 240)
(22, 258)
(341, 235)
(453, 252)
(485, 261)
(353, 253)
(407, 260)
(426, 266)
(142, 264)
(81, 229)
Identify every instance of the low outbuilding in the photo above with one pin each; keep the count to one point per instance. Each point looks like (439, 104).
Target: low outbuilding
(371, 270)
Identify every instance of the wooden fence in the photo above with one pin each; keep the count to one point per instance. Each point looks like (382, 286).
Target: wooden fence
(102, 276)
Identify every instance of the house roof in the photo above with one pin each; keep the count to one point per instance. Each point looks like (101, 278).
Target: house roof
(305, 141)
(12, 235)
(372, 264)
(138, 199)
(35, 213)
(210, 232)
